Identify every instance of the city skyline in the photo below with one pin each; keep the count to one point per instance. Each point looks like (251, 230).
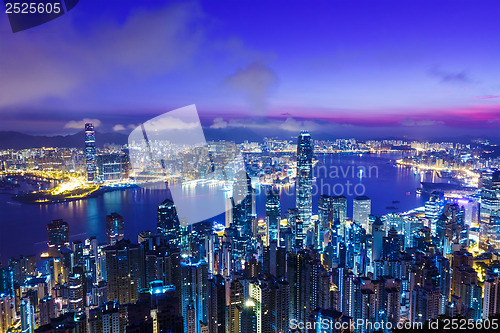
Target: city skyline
(250, 166)
(268, 264)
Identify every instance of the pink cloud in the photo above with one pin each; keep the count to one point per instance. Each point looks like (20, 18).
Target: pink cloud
(475, 116)
(487, 96)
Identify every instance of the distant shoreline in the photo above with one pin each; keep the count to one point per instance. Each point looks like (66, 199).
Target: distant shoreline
(34, 198)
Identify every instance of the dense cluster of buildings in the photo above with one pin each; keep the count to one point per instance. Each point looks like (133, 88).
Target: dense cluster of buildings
(289, 272)
(110, 164)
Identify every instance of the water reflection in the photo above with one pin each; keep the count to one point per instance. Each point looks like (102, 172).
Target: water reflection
(23, 225)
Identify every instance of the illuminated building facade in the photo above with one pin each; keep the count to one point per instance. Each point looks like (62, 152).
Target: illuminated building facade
(168, 225)
(114, 228)
(90, 153)
(304, 178)
(273, 215)
(58, 234)
(361, 210)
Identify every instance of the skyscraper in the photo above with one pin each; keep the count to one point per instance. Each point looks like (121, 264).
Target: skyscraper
(216, 304)
(236, 295)
(325, 217)
(242, 205)
(340, 212)
(194, 291)
(90, 153)
(114, 228)
(57, 234)
(248, 317)
(424, 303)
(111, 317)
(76, 291)
(27, 316)
(110, 167)
(304, 178)
(7, 312)
(361, 210)
(261, 296)
(325, 210)
(168, 222)
(433, 209)
(273, 215)
(125, 271)
(490, 180)
(491, 301)
(294, 221)
(378, 232)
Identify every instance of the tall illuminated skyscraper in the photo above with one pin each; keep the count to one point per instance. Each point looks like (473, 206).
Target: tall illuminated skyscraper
(168, 222)
(242, 205)
(361, 210)
(294, 221)
(325, 217)
(491, 301)
(7, 312)
(216, 304)
(304, 178)
(27, 324)
(261, 296)
(236, 295)
(433, 209)
(340, 213)
(76, 290)
(194, 293)
(90, 153)
(325, 210)
(273, 215)
(125, 271)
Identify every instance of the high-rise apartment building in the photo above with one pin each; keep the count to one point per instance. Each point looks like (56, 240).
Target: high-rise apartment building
(491, 300)
(27, 311)
(7, 312)
(216, 304)
(236, 298)
(194, 293)
(76, 290)
(125, 271)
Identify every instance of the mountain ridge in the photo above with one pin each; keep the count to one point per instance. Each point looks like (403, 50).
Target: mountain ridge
(18, 140)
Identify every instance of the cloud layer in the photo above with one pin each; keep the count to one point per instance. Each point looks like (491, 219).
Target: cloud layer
(256, 82)
(80, 124)
(37, 66)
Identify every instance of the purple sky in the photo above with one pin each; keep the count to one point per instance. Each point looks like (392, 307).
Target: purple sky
(349, 67)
